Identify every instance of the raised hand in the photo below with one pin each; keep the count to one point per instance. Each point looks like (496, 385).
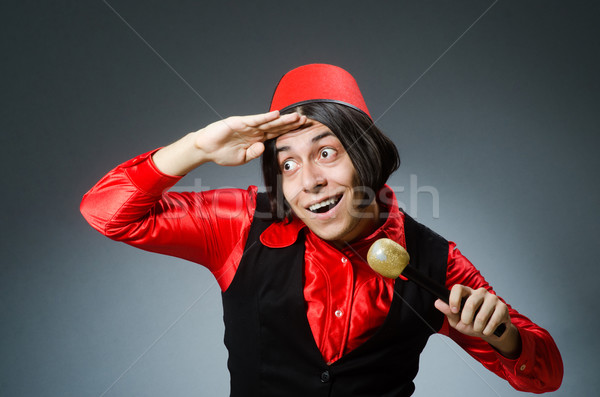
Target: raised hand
(237, 140)
(232, 141)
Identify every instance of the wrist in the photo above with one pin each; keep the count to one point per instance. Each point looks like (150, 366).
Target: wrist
(180, 157)
(509, 344)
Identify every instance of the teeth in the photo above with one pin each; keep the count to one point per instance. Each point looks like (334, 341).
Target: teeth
(322, 204)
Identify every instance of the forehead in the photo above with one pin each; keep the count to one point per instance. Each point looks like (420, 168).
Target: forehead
(304, 136)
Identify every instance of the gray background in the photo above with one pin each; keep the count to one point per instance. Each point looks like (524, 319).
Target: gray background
(503, 126)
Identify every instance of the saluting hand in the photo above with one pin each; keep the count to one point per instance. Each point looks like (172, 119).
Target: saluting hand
(232, 141)
(238, 139)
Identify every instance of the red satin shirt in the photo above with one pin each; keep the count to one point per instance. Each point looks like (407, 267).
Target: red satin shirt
(346, 300)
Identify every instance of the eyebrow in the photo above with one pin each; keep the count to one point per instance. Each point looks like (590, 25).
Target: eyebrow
(314, 140)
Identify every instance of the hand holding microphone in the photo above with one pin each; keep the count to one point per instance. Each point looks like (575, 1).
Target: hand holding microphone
(390, 259)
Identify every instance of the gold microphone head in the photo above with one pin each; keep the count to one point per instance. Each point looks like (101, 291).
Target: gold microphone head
(387, 258)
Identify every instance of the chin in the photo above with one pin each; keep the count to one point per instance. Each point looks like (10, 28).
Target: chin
(333, 233)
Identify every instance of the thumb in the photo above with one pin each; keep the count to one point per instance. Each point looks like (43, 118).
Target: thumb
(443, 307)
(254, 151)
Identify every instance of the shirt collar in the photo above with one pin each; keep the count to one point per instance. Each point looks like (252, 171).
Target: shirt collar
(283, 234)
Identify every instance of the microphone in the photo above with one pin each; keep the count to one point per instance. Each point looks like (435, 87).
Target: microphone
(390, 259)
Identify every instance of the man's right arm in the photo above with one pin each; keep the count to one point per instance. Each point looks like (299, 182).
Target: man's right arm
(130, 204)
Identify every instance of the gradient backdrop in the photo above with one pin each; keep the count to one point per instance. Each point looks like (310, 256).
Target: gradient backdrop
(493, 105)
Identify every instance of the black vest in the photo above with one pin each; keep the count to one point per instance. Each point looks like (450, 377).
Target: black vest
(271, 348)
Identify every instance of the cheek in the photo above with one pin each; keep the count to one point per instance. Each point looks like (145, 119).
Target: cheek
(345, 175)
(346, 170)
(289, 189)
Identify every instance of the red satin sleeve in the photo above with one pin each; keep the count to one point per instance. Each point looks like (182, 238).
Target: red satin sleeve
(130, 204)
(538, 369)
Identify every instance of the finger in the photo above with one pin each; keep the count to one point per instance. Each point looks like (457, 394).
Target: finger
(471, 307)
(269, 120)
(254, 151)
(255, 120)
(242, 127)
(453, 318)
(284, 129)
(456, 294)
(443, 307)
(281, 123)
(447, 311)
(485, 312)
(499, 316)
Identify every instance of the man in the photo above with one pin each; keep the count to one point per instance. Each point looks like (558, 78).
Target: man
(304, 314)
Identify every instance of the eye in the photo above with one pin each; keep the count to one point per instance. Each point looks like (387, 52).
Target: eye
(327, 154)
(289, 165)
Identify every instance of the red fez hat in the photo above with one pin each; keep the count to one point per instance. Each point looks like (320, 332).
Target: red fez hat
(317, 82)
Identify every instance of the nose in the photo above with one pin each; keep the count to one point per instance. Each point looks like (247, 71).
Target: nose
(312, 178)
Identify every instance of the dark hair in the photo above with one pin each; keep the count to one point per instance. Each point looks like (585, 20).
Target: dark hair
(373, 155)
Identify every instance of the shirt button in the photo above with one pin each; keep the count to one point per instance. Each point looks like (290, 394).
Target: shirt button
(325, 376)
(338, 313)
(344, 259)
(522, 367)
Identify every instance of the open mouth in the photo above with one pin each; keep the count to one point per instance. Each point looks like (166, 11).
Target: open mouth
(325, 205)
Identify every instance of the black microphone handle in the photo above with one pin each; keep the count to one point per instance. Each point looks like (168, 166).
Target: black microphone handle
(439, 291)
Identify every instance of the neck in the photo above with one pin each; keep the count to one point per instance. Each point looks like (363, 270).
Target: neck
(367, 224)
